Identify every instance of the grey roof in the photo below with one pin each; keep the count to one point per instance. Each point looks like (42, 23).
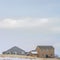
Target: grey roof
(46, 47)
(14, 49)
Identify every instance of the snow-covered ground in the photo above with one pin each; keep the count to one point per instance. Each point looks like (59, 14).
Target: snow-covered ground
(6, 58)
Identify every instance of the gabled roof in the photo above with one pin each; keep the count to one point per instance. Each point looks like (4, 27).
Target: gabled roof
(46, 47)
(14, 49)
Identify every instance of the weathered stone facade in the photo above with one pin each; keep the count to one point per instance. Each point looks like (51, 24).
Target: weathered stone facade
(45, 51)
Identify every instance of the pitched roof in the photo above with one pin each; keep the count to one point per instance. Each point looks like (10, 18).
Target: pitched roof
(45, 47)
(15, 49)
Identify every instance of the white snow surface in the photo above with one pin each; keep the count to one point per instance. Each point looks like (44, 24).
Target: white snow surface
(7, 58)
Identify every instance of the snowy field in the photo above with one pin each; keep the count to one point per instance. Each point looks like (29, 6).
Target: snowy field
(7, 58)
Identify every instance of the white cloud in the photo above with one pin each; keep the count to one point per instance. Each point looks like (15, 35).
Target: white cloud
(23, 23)
(46, 25)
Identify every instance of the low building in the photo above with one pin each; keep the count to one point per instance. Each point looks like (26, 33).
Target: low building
(45, 51)
(15, 50)
(33, 53)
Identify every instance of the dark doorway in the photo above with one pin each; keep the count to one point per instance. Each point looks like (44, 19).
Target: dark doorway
(46, 56)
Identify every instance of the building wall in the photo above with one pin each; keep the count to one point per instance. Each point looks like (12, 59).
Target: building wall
(45, 52)
(15, 53)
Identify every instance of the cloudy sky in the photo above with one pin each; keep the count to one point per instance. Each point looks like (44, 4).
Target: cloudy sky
(28, 23)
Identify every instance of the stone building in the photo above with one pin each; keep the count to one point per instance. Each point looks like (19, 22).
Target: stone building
(45, 51)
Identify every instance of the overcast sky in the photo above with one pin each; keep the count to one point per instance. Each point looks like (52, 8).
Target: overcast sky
(28, 23)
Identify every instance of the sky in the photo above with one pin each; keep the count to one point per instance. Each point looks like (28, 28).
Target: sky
(29, 23)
